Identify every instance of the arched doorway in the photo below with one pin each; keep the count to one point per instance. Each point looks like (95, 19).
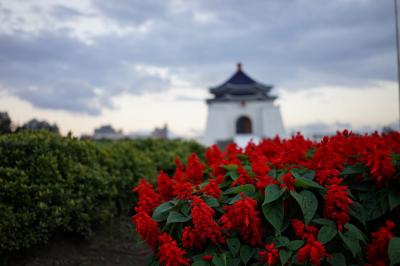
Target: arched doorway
(243, 125)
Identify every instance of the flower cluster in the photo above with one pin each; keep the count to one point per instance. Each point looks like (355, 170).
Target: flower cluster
(279, 202)
(204, 226)
(243, 218)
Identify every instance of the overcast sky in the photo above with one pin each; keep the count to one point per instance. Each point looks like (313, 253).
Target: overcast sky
(138, 64)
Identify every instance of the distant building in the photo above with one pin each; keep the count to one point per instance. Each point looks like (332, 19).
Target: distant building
(242, 109)
(160, 133)
(35, 124)
(107, 132)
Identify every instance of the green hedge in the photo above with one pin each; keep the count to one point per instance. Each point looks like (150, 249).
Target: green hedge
(54, 184)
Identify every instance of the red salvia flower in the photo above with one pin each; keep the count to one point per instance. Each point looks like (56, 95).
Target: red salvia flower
(165, 186)
(287, 181)
(377, 248)
(379, 161)
(147, 228)
(204, 226)
(313, 251)
(194, 169)
(337, 203)
(270, 256)
(207, 257)
(243, 217)
(213, 155)
(169, 254)
(179, 174)
(303, 231)
(244, 177)
(182, 190)
(264, 181)
(212, 188)
(148, 198)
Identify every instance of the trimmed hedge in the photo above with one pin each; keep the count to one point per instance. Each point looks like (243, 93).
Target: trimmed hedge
(54, 184)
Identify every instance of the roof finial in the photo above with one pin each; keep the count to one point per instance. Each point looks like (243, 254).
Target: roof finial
(239, 66)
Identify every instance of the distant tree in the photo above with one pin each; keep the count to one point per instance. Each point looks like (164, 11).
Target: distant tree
(35, 124)
(5, 123)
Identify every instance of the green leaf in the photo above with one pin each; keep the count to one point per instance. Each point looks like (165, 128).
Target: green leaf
(284, 256)
(231, 171)
(239, 189)
(326, 234)
(295, 244)
(164, 207)
(358, 212)
(176, 217)
(200, 262)
(246, 253)
(229, 167)
(323, 221)
(394, 250)
(394, 199)
(355, 232)
(219, 259)
(351, 243)
(305, 173)
(212, 202)
(185, 209)
(272, 193)
(336, 259)
(281, 241)
(308, 203)
(233, 245)
(306, 183)
(353, 169)
(274, 214)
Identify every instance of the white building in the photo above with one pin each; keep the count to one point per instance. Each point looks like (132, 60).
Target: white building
(107, 132)
(242, 109)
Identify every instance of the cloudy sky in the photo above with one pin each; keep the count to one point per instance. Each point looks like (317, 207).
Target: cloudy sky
(139, 64)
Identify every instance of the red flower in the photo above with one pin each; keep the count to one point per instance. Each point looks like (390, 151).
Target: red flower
(212, 188)
(337, 203)
(165, 186)
(287, 181)
(204, 226)
(258, 164)
(147, 228)
(379, 161)
(213, 155)
(243, 217)
(182, 190)
(313, 251)
(244, 177)
(207, 257)
(169, 254)
(179, 175)
(194, 169)
(377, 248)
(264, 181)
(303, 231)
(148, 198)
(270, 255)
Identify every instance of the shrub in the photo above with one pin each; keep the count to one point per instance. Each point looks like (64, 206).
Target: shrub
(48, 183)
(51, 184)
(280, 202)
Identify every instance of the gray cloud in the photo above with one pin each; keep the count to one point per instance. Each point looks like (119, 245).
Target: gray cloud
(295, 44)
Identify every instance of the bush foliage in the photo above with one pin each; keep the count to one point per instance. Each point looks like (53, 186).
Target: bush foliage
(281, 202)
(54, 184)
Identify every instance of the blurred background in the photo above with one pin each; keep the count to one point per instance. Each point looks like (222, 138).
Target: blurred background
(127, 67)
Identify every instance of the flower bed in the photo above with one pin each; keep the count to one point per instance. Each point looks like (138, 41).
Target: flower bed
(281, 202)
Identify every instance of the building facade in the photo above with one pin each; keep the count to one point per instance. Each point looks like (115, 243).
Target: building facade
(242, 109)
